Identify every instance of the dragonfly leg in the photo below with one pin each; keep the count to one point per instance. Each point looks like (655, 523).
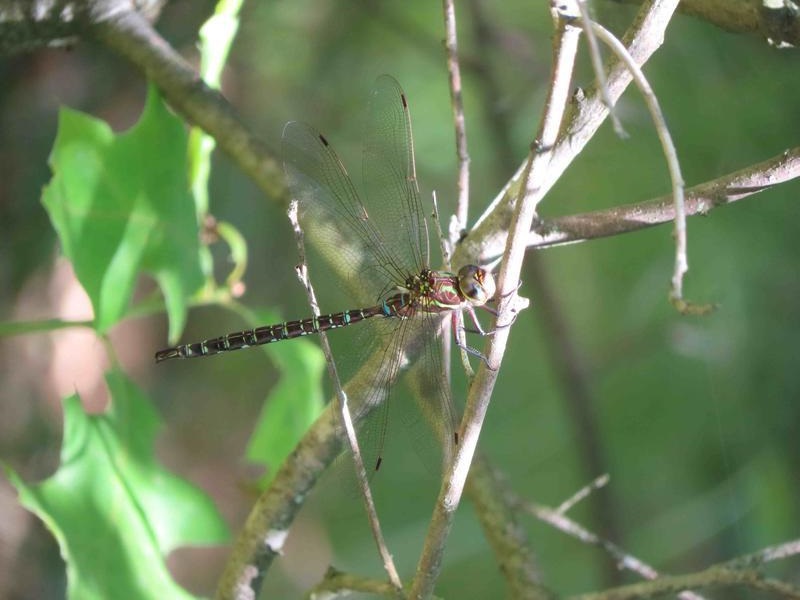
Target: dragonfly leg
(478, 329)
(463, 346)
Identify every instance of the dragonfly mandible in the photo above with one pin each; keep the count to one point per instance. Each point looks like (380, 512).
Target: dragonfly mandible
(377, 240)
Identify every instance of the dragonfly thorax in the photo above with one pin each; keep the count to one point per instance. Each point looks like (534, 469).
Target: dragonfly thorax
(440, 291)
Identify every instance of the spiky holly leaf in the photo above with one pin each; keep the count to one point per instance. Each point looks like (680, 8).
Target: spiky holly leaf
(115, 511)
(121, 205)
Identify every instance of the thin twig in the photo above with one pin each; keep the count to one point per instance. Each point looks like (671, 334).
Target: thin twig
(681, 259)
(361, 472)
(454, 71)
(742, 570)
(583, 493)
(713, 577)
(597, 66)
(480, 393)
(459, 222)
(765, 555)
(556, 518)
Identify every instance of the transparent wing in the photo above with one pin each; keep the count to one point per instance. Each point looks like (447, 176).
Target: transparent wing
(333, 216)
(391, 192)
(412, 341)
(431, 388)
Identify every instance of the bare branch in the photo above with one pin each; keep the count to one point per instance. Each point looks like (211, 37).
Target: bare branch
(779, 25)
(556, 518)
(506, 536)
(700, 200)
(128, 33)
(713, 577)
(27, 25)
(741, 571)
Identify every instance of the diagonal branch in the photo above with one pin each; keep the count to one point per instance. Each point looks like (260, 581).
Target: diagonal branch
(429, 565)
(505, 534)
(742, 571)
(700, 200)
(128, 33)
(778, 24)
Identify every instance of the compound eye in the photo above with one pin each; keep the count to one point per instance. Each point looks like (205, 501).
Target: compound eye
(476, 284)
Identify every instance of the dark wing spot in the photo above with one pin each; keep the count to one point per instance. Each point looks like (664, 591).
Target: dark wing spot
(323, 140)
(403, 100)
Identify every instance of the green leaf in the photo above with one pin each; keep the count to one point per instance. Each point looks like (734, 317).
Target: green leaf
(121, 205)
(292, 405)
(216, 38)
(115, 512)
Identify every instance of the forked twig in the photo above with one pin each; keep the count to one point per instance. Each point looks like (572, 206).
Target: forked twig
(700, 199)
(743, 570)
(344, 410)
(558, 519)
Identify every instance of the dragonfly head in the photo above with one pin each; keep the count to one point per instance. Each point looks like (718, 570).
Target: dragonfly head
(476, 284)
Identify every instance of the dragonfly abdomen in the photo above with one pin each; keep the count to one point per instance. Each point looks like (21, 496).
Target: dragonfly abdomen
(282, 331)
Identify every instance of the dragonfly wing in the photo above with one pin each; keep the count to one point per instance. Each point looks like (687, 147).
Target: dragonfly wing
(396, 345)
(429, 382)
(332, 214)
(429, 426)
(391, 191)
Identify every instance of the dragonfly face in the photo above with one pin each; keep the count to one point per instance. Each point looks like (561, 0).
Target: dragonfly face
(476, 284)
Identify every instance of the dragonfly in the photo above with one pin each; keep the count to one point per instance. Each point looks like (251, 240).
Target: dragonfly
(377, 241)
